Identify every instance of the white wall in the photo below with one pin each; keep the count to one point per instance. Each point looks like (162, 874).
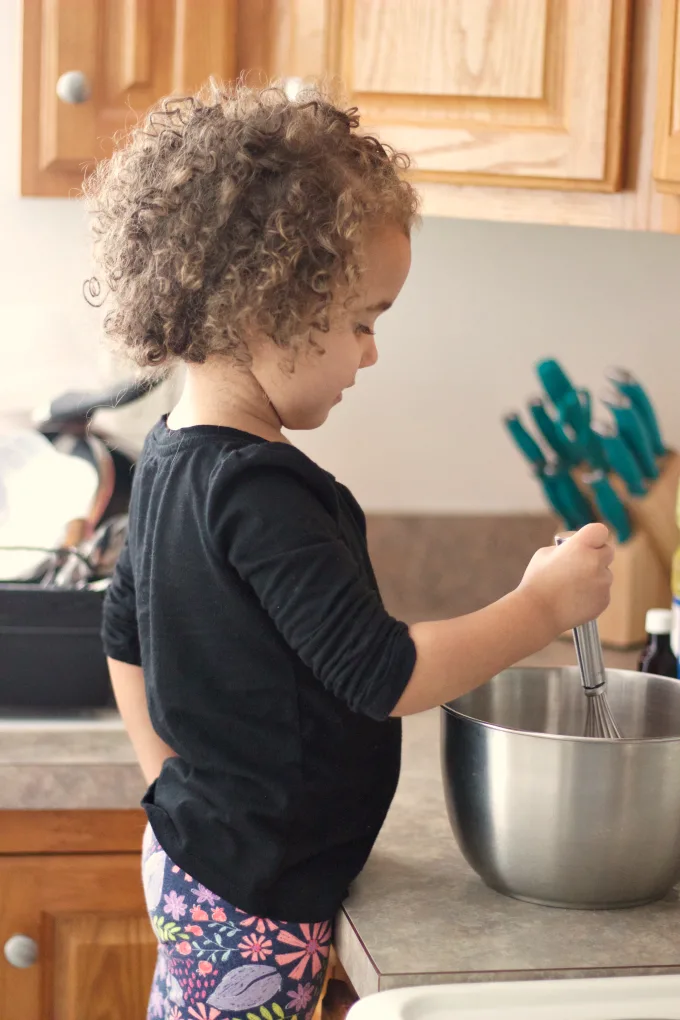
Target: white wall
(421, 431)
(483, 303)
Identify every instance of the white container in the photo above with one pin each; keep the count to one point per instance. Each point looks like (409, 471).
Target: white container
(628, 998)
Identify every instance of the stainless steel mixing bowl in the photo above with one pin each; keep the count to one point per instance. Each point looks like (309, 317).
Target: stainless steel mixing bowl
(544, 814)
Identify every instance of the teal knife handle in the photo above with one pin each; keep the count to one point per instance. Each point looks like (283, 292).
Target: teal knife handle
(572, 412)
(643, 405)
(525, 441)
(595, 454)
(554, 380)
(612, 510)
(554, 496)
(554, 435)
(579, 509)
(622, 462)
(632, 429)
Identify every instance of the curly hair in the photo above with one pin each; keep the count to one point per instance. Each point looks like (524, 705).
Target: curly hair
(234, 210)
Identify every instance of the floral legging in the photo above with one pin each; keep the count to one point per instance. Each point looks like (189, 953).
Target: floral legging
(216, 962)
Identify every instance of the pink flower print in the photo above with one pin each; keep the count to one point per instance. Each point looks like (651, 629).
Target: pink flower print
(218, 914)
(204, 895)
(175, 869)
(312, 948)
(184, 948)
(187, 878)
(199, 914)
(301, 997)
(261, 924)
(204, 966)
(175, 905)
(255, 948)
(194, 929)
(174, 1014)
(201, 1013)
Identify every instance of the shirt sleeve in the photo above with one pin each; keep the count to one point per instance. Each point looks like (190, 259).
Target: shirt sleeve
(119, 621)
(285, 543)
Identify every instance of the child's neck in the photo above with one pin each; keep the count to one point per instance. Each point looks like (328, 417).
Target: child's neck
(220, 393)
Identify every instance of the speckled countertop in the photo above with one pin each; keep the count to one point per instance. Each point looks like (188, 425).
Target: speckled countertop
(417, 914)
(81, 761)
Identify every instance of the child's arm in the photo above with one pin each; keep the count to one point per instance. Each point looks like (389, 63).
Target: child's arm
(562, 587)
(128, 687)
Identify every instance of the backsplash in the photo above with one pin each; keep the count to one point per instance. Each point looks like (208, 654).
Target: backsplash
(431, 568)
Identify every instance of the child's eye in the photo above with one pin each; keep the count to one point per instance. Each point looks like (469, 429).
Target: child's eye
(366, 330)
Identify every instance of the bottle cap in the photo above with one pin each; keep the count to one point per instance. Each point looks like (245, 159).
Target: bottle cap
(658, 621)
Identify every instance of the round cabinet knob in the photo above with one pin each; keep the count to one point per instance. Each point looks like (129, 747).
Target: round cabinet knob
(21, 951)
(73, 87)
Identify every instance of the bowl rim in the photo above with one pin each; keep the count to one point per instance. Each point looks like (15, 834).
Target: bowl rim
(448, 709)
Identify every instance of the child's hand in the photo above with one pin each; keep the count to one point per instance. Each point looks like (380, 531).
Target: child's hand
(571, 583)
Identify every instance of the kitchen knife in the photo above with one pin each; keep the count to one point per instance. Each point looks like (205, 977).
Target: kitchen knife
(570, 496)
(620, 458)
(525, 441)
(555, 382)
(626, 383)
(612, 510)
(632, 427)
(574, 409)
(551, 479)
(566, 449)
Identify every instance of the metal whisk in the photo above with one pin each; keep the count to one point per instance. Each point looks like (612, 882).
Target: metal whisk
(599, 719)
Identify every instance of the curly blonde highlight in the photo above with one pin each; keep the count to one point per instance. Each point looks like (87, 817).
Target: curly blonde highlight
(235, 210)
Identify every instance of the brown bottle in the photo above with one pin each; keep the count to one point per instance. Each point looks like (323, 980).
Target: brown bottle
(657, 656)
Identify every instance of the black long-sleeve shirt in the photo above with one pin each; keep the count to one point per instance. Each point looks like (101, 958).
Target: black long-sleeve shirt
(270, 663)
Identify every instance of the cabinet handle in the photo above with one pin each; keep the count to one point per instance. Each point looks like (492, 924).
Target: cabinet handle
(21, 951)
(73, 87)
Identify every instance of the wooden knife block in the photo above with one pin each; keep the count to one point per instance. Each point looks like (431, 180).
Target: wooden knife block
(640, 583)
(654, 513)
(642, 566)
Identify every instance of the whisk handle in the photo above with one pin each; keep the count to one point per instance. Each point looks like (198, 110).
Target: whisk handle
(589, 655)
(588, 648)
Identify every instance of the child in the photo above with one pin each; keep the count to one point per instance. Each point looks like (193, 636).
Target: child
(257, 240)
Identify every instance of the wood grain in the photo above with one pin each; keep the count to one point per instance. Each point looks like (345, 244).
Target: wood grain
(667, 142)
(638, 206)
(489, 49)
(467, 115)
(640, 583)
(71, 832)
(134, 52)
(96, 950)
(101, 959)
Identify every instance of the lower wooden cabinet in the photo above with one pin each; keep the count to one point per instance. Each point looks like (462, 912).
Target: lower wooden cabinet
(77, 943)
(75, 938)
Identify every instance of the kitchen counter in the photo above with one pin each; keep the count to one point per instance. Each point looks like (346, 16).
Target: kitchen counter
(86, 761)
(419, 915)
(83, 762)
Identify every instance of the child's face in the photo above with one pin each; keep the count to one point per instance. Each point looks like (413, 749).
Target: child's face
(304, 397)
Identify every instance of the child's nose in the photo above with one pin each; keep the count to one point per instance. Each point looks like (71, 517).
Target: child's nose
(370, 353)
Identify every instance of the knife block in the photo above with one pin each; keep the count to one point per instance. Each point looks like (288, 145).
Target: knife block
(640, 583)
(654, 513)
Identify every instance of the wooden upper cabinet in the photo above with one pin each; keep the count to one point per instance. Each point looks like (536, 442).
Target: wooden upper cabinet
(131, 53)
(667, 148)
(94, 948)
(527, 93)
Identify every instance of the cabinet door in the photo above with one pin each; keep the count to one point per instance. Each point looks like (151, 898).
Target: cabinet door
(667, 150)
(131, 52)
(527, 93)
(95, 947)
